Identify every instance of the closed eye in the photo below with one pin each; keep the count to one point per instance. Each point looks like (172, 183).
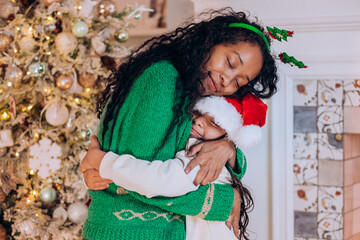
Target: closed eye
(215, 123)
(237, 83)
(229, 63)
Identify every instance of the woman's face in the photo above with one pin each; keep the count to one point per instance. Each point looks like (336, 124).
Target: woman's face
(230, 67)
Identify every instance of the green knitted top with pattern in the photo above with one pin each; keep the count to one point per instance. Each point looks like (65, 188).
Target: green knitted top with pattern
(140, 129)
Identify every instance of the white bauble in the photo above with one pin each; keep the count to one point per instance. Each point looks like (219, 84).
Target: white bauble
(80, 29)
(14, 75)
(27, 227)
(27, 44)
(57, 114)
(77, 212)
(60, 215)
(66, 42)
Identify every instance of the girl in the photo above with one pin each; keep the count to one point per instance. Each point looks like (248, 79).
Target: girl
(239, 120)
(160, 82)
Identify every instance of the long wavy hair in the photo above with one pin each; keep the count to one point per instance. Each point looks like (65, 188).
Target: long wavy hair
(187, 48)
(246, 205)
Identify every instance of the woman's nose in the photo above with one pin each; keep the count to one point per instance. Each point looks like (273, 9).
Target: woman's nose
(226, 79)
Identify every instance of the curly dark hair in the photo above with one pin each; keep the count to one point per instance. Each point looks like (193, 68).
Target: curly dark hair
(246, 206)
(186, 48)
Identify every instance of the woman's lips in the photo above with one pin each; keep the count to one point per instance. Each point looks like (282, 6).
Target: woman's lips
(212, 84)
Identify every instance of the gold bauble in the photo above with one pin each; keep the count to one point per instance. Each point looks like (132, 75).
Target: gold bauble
(49, 2)
(121, 36)
(5, 41)
(64, 82)
(87, 80)
(14, 75)
(106, 8)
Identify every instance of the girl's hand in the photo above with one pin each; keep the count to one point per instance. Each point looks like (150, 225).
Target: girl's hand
(93, 157)
(212, 157)
(94, 181)
(233, 220)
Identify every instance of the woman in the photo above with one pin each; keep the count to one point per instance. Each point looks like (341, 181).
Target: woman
(170, 73)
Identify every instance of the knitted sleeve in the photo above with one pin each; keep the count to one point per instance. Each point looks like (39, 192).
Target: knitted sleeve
(241, 165)
(146, 128)
(157, 178)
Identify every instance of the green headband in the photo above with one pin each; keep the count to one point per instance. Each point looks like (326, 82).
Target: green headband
(251, 28)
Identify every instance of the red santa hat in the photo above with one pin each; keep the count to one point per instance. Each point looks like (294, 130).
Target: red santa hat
(241, 118)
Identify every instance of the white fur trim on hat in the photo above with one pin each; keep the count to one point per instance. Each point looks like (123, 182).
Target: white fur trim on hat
(230, 120)
(247, 136)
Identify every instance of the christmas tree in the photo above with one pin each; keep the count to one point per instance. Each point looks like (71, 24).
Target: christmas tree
(55, 56)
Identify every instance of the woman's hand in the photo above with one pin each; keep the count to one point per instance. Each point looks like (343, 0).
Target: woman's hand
(93, 157)
(94, 181)
(233, 220)
(212, 157)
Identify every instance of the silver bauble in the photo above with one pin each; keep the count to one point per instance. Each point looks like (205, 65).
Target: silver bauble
(80, 191)
(14, 75)
(64, 81)
(48, 195)
(5, 41)
(37, 69)
(82, 196)
(57, 114)
(66, 42)
(77, 212)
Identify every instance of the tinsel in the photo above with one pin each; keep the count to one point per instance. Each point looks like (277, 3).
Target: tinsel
(23, 107)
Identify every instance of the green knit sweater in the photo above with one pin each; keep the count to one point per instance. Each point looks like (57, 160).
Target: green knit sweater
(140, 129)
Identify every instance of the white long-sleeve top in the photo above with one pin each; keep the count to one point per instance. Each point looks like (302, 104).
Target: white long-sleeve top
(158, 178)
